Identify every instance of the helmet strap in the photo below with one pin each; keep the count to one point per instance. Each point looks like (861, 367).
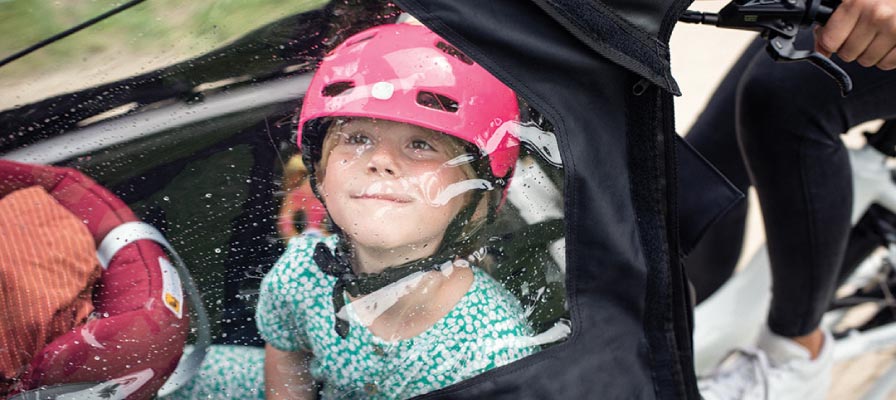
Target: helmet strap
(338, 263)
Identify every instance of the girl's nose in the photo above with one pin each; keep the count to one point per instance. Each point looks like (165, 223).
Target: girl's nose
(382, 161)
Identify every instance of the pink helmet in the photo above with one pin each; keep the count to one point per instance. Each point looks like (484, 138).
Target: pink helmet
(406, 73)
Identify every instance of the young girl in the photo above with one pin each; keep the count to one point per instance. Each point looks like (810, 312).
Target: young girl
(409, 145)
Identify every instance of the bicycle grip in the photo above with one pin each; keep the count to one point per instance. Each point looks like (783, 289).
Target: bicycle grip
(823, 14)
(824, 10)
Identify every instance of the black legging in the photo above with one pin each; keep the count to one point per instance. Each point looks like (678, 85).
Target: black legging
(785, 121)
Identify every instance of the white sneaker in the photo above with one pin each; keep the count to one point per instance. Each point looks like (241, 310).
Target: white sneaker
(779, 369)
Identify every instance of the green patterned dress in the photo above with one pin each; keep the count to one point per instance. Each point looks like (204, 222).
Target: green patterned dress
(487, 328)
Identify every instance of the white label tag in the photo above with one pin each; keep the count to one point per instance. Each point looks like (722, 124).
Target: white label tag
(172, 291)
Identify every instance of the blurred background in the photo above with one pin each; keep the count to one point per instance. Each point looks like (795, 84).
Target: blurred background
(148, 36)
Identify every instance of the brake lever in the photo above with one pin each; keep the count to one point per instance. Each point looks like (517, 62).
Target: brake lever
(779, 22)
(781, 49)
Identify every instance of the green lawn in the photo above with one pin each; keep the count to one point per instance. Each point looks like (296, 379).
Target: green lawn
(171, 28)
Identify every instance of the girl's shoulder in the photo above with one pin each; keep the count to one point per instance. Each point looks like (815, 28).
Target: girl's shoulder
(487, 290)
(297, 261)
(294, 295)
(302, 246)
(488, 301)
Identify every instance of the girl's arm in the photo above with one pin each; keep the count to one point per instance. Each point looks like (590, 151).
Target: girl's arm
(286, 374)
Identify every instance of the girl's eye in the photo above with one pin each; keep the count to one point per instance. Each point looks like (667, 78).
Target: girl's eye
(357, 139)
(421, 145)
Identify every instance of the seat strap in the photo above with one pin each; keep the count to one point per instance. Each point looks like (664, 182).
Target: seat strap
(131, 232)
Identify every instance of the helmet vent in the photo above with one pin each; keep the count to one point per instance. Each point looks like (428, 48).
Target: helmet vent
(363, 39)
(454, 52)
(337, 88)
(437, 102)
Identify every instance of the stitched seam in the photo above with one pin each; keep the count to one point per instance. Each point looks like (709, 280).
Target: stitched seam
(609, 10)
(638, 236)
(813, 240)
(596, 42)
(588, 33)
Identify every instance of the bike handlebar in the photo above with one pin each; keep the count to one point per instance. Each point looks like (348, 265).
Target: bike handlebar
(824, 13)
(778, 21)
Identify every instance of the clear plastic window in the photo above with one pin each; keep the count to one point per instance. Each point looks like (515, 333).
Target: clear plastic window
(374, 214)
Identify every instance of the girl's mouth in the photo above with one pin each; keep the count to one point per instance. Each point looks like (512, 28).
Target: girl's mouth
(384, 197)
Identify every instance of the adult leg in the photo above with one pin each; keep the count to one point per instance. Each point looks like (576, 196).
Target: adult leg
(790, 117)
(714, 135)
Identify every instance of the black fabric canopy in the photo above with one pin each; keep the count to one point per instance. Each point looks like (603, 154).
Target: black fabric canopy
(600, 72)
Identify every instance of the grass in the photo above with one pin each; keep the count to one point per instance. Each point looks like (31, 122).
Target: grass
(166, 29)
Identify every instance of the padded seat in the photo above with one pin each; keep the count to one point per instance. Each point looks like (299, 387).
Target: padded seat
(142, 325)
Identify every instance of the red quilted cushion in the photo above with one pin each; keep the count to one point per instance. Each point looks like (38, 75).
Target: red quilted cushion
(138, 333)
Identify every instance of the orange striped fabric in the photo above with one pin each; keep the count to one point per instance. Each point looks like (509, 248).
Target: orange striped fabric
(48, 266)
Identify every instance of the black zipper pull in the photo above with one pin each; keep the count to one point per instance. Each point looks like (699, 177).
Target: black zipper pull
(640, 87)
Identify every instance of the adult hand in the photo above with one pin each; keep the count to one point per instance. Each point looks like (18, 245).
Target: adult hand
(863, 31)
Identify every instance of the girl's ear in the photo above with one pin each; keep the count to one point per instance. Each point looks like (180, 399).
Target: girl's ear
(478, 219)
(319, 174)
(481, 213)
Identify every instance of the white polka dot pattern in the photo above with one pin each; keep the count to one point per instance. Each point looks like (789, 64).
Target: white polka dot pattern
(480, 333)
(227, 372)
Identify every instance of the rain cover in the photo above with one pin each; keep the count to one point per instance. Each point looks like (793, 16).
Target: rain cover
(400, 257)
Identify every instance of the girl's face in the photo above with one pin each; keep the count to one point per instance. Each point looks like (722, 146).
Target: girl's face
(390, 185)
